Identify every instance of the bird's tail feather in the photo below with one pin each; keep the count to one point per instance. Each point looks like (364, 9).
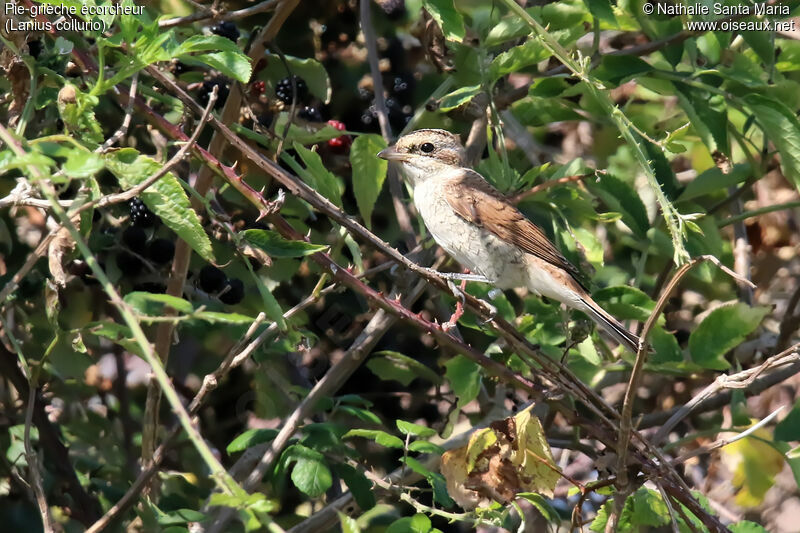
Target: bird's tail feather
(611, 326)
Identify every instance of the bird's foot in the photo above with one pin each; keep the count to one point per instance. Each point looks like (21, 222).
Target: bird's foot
(457, 276)
(492, 311)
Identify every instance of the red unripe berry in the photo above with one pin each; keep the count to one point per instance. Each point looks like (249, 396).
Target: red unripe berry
(339, 144)
(258, 87)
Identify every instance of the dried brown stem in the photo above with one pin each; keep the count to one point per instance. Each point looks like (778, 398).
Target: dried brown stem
(219, 16)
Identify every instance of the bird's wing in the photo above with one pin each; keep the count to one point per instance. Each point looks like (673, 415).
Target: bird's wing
(475, 200)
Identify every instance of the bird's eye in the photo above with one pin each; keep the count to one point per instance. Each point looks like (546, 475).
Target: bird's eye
(427, 147)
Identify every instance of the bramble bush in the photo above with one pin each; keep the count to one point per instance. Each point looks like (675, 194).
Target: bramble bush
(217, 309)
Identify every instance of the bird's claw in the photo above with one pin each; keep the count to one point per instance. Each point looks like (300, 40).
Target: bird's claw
(458, 293)
(492, 311)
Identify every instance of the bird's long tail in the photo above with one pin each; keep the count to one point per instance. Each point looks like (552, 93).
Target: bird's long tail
(610, 325)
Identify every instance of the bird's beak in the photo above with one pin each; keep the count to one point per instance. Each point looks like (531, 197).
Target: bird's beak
(391, 154)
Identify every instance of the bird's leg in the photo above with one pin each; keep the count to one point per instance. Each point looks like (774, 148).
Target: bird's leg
(459, 312)
(456, 276)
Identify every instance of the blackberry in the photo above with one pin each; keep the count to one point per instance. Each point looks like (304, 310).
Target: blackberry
(141, 215)
(310, 114)
(403, 88)
(135, 239)
(226, 29)
(129, 264)
(205, 92)
(234, 294)
(212, 279)
(161, 251)
(150, 286)
(399, 115)
(35, 48)
(284, 89)
(179, 68)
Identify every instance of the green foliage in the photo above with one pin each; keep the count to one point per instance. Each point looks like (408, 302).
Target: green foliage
(723, 329)
(368, 172)
(277, 247)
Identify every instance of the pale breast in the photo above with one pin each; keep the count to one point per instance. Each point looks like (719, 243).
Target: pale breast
(475, 248)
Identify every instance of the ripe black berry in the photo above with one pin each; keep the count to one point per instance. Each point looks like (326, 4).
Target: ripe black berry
(135, 239)
(161, 251)
(234, 294)
(284, 89)
(129, 264)
(35, 48)
(226, 29)
(403, 88)
(205, 92)
(212, 279)
(310, 114)
(141, 215)
(152, 287)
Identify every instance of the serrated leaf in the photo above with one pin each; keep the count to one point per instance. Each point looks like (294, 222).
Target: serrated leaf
(409, 428)
(390, 365)
(310, 474)
(82, 164)
(746, 526)
(380, 437)
(276, 246)
(622, 198)
(224, 55)
(457, 98)
(250, 438)
(315, 174)
(616, 69)
(714, 180)
(166, 198)
(528, 53)
(782, 127)
(447, 17)
(625, 302)
(369, 171)
(723, 329)
(707, 115)
(465, 378)
(601, 9)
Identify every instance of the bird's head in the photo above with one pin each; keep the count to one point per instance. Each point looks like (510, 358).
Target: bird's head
(424, 152)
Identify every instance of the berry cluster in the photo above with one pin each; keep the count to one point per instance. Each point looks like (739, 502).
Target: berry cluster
(160, 251)
(208, 87)
(342, 143)
(226, 29)
(141, 215)
(214, 281)
(310, 114)
(284, 90)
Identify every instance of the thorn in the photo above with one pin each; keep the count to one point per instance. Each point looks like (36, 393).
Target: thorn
(262, 214)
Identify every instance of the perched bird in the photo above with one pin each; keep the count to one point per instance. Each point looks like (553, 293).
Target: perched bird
(482, 230)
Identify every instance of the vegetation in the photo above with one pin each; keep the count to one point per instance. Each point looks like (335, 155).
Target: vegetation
(216, 305)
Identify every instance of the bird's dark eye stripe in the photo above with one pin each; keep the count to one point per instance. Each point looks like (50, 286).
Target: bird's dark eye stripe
(427, 147)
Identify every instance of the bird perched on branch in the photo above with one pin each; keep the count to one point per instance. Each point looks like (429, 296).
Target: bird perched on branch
(484, 231)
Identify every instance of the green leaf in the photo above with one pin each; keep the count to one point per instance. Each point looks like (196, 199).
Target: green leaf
(447, 17)
(389, 365)
(782, 127)
(151, 304)
(359, 412)
(601, 9)
(616, 69)
(315, 174)
(369, 171)
(465, 378)
(359, 485)
(664, 173)
(276, 246)
(409, 428)
(648, 509)
(423, 446)
(788, 429)
(457, 98)
(250, 438)
(381, 437)
(528, 53)
(714, 180)
(225, 55)
(625, 302)
(723, 329)
(347, 523)
(543, 506)
(82, 164)
(310, 474)
(746, 526)
(311, 70)
(166, 198)
(622, 198)
(707, 114)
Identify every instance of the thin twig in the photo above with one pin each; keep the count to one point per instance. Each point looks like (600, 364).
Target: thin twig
(641, 356)
(35, 477)
(217, 16)
(126, 121)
